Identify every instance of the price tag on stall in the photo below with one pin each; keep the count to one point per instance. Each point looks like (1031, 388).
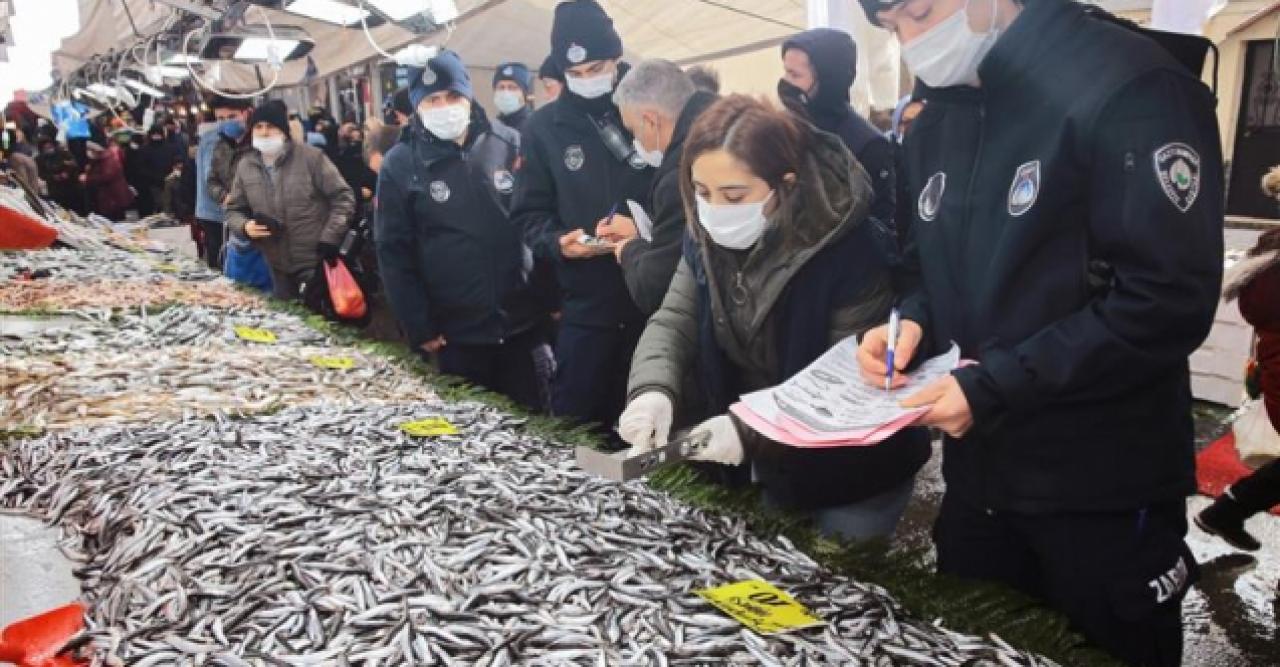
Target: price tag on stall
(334, 363)
(760, 606)
(429, 428)
(165, 267)
(255, 335)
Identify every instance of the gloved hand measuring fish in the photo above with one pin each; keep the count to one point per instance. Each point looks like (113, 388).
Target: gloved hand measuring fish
(825, 405)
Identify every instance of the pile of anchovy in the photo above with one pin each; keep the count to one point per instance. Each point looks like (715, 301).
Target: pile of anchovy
(144, 329)
(75, 266)
(64, 391)
(60, 295)
(329, 537)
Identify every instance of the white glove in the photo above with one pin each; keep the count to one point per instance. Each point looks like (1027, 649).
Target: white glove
(725, 445)
(416, 55)
(646, 423)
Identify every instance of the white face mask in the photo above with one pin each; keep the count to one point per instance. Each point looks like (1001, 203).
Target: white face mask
(508, 101)
(447, 122)
(270, 147)
(590, 87)
(949, 53)
(733, 226)
(653, 158)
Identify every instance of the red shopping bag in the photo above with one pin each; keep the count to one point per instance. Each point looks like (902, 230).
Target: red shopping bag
(344, 291)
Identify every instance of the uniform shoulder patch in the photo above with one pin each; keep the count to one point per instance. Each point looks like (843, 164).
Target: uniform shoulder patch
(439, 191)
(574, 158)
(931, 197)
(1178, 170)
(1025, 188)
(503, 182)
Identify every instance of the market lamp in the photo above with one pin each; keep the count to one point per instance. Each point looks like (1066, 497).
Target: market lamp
(416, 15)
(255, 44)
(332, 11)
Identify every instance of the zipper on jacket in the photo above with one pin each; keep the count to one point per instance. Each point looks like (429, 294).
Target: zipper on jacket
(965, 292)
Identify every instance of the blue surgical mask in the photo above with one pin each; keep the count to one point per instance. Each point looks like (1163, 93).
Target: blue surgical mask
(232, 129)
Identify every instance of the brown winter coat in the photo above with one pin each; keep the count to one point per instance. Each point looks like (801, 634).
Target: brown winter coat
(306, 194)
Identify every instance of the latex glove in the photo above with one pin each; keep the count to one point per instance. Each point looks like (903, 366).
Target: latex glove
(646, 423)
(416, 55)
(725, 445)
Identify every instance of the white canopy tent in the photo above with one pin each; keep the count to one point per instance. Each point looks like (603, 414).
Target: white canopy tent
(741, 39)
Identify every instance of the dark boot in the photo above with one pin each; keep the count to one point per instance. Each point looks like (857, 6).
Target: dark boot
(1225, 518)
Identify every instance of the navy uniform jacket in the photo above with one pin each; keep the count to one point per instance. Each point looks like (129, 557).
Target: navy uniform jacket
(1066, 230)
(569, 180)
(450, 259)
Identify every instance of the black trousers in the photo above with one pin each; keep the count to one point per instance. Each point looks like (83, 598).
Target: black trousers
(1119, 578)
(592, 364)
(286, 285)
(1260, 491)
(213, 231)
(507, 368)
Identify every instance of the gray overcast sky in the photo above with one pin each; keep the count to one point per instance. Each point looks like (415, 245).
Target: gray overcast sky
(38, 28)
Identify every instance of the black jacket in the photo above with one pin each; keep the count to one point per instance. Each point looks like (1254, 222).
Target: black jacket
(517, 120)
(451, 261)
(1067, 224)
(569, 181)
(648, 266)
(834, 60)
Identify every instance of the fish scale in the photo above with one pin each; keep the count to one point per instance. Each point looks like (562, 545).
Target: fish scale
(354, 544)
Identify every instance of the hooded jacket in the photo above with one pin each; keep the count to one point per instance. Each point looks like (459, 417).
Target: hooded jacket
(834, 59)
(1069, 239)
(305, 193)
(111, 194)
(452, 261)
(815, 277)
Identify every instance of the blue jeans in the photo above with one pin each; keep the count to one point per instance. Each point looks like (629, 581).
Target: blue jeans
(874, 517)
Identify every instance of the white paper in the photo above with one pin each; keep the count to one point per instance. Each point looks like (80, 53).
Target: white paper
(830, 395)
(644, 226)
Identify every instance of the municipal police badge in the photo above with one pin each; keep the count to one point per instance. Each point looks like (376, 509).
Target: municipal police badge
(1178, 170)
(931, 197)
(574, 158)
(503, 181)
(576, 54)
(1025, 188)
(429, 76)
(507, 71)
(440, 191)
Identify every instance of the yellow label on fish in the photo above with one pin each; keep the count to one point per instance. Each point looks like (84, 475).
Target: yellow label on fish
(334, 363)
(255, 335)
(760, 606)
(166, 267)
(429, 428)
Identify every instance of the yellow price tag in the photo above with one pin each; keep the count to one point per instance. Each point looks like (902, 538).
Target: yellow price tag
(255, 335)
(166, 267)
(334, 363)
(429, 428)
(760, 606)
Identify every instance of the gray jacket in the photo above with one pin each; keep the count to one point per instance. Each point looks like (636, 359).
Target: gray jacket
(306, 194)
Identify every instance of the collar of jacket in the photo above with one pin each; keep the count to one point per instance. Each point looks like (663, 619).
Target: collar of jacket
(823, 206)
(514, 119)
(1033, 37)
(692, 109)
(429, 149)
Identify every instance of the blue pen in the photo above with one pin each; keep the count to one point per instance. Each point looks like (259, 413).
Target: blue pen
(895, 323)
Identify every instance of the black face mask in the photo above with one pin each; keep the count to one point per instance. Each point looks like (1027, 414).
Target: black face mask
(793, 97)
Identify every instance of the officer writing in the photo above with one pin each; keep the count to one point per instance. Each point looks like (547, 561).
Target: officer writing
(579, 166)
(1065, 197)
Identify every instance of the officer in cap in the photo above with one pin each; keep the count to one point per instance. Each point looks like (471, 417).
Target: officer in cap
(453, 265)
(551, 77)
(1065, 189)
(512, 94)
(579, 166)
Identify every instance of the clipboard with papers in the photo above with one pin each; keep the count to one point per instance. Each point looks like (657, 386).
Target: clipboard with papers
(828, 404)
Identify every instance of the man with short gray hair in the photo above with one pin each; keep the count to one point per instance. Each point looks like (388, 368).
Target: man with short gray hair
(659, 104)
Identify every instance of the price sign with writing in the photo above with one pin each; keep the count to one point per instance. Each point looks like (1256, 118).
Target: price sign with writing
(760, 606)
(429, 428)
(255, 335)
(166, 267)
(334, 363)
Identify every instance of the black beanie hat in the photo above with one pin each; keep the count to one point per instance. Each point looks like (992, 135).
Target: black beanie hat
(873, 6)
(516, 72)
(550, 70)
(581, 33)
(273, 112)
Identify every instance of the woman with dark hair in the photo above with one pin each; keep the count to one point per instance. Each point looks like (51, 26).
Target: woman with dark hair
(781, 263)
(1255, 281)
